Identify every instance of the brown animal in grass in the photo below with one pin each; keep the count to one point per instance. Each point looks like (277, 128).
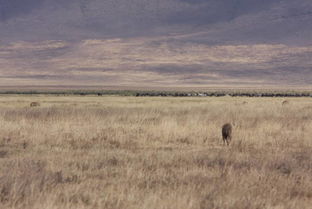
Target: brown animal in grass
(227, 133)
(285, 102)
(34, 104)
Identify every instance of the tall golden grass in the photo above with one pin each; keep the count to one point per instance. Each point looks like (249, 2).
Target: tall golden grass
(154, 153)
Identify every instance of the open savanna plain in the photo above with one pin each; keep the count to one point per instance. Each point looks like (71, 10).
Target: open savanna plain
(154, 152)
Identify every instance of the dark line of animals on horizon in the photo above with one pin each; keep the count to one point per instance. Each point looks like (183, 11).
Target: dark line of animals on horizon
(163, 93)
(217, 94)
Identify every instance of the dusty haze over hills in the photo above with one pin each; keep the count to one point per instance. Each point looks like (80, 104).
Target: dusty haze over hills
(156, 42)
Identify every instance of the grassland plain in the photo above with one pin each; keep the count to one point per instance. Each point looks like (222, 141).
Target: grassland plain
(154, 153)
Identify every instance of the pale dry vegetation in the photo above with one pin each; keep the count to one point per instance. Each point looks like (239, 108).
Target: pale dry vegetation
(130, 153)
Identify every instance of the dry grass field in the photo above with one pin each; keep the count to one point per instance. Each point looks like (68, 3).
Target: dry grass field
(154, 153)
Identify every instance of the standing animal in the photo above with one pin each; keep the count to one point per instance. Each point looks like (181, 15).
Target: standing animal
(34, 104)
(227, 133)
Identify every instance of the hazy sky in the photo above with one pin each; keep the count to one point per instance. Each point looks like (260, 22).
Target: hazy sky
(223, 20)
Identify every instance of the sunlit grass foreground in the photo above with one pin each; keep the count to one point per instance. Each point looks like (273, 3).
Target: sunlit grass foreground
(154, 153)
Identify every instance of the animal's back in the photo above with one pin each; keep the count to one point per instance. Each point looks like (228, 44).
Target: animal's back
(34, 104)
(286, 102)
